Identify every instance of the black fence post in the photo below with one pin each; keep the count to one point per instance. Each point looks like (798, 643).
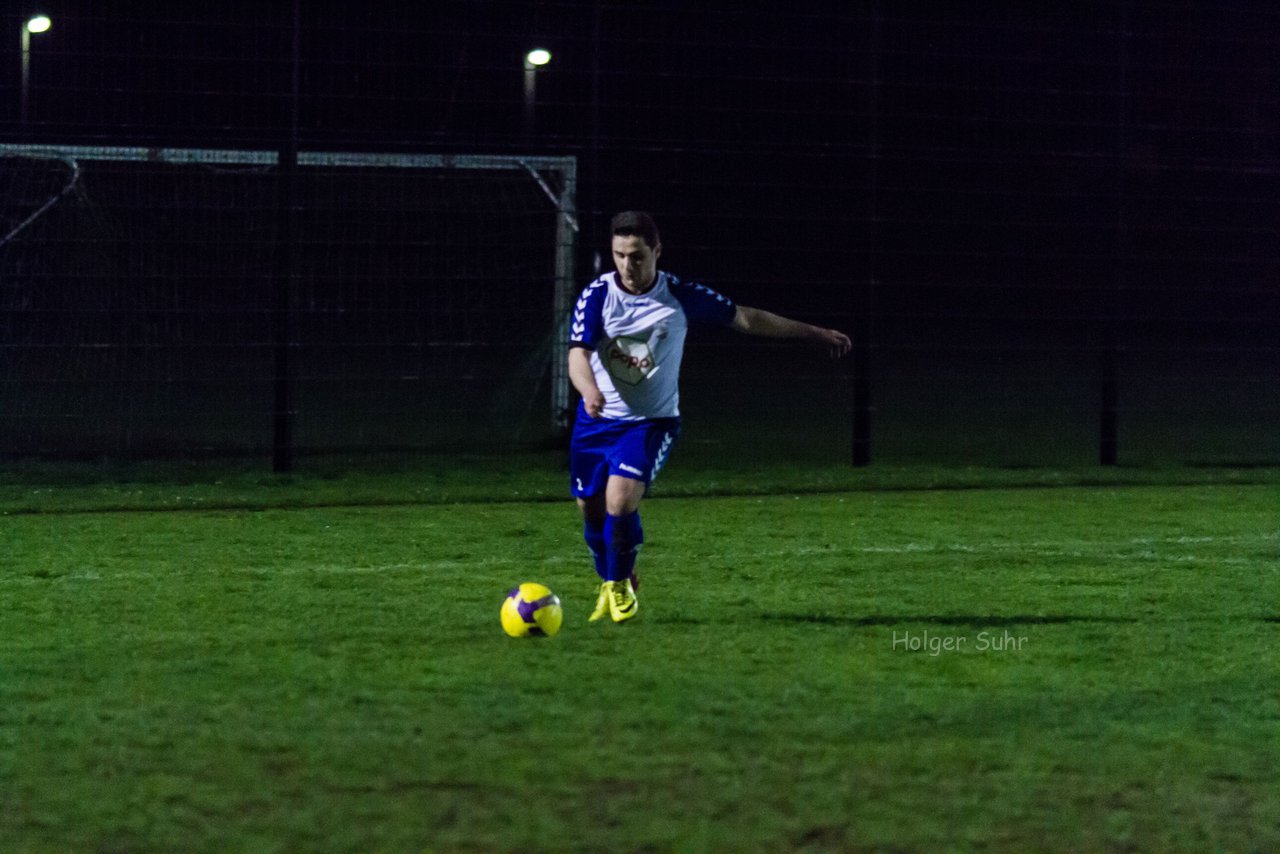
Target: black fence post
(1108, 439)
(863, 407)
(281, 321)
(1109, 390)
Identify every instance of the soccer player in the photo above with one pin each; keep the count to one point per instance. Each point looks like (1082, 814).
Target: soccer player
(627, 335)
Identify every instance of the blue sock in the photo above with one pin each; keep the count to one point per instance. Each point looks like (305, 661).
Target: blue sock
(622, 536)
(594, 535)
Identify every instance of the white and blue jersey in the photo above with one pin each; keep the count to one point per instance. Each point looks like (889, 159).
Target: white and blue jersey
(637, 340)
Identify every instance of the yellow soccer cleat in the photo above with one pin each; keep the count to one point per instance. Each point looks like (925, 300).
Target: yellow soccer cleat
(602, 602)
(623, 603)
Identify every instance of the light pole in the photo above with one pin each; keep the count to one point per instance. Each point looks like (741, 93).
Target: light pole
(533, 60)
(34, 24)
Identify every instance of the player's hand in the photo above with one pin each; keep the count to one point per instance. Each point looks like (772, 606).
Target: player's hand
(837, 343)
(593, 402)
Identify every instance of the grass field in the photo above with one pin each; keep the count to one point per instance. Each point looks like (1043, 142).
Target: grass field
(1036, 661)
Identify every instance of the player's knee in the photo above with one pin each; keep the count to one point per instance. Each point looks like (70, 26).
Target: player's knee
(623, 496)
(623, 508)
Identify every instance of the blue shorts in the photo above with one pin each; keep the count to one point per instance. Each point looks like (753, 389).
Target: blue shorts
(602, 447)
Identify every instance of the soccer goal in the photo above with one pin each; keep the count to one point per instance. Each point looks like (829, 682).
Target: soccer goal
(141, 299)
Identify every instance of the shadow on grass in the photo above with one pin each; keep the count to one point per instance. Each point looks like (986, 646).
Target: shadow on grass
(969, 620)
(975, 620)
(944, 619)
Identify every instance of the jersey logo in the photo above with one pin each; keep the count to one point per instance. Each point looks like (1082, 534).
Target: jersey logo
(629, 360)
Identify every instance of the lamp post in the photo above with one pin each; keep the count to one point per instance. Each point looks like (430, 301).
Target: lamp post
(533, 60)
(34, 24)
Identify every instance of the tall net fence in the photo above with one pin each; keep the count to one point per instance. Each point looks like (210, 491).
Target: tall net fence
(151, 305)
(1051, 232)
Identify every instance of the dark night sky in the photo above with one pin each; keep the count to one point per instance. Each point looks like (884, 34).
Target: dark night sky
(1051, 138)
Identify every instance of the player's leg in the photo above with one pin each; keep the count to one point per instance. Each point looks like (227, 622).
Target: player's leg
(588, 474)
(593, 521)
(623, 533)
(636, 461)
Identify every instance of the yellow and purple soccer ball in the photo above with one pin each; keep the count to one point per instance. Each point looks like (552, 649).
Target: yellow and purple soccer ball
(531, 610)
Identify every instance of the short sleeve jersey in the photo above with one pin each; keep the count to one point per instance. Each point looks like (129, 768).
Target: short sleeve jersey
(637, 340)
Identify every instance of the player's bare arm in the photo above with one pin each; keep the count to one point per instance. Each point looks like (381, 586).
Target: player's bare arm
(584, 380)
(755, 321)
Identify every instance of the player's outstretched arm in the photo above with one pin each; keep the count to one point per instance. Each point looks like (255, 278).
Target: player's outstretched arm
(755, 321)
(584, 380)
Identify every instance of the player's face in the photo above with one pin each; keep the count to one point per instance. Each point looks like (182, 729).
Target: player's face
(636, 261)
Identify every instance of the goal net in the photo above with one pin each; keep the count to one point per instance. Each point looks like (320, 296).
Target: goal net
(425, 298)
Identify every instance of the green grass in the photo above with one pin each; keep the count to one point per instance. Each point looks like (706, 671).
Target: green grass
(743, 465)
(306, 676)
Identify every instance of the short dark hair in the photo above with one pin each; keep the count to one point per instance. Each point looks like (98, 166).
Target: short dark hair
(637, 224)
